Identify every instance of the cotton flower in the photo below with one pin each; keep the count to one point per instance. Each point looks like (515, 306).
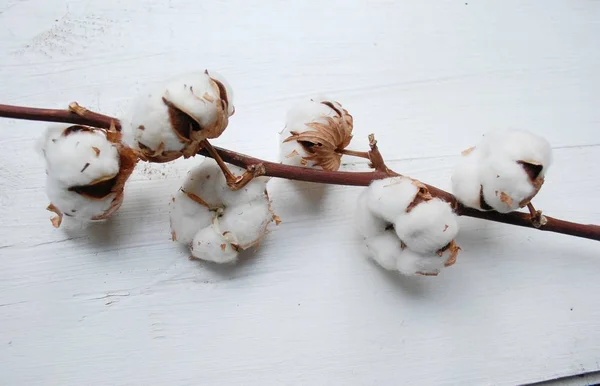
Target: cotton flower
(216, 222)
(404, 228)
(172, 119)
(86, 171)
(503, 172)
(314, 133)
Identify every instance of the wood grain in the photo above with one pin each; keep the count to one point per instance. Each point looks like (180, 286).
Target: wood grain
(119, 303)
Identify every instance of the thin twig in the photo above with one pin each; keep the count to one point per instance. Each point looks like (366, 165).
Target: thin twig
(89, 118)
(234, 182)
(273, 169)
(376, 158)
(354, 153)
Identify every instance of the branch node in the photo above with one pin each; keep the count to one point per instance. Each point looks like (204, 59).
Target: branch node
(251, 173)
(376, 158)
(537, 218)
(76, 108)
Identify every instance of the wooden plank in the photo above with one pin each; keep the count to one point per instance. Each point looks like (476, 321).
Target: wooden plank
(119, 303)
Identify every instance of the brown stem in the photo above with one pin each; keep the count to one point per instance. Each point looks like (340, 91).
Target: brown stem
(354, 153)
(234, 182)
(376, 158)
(273, 169)
(88, 118)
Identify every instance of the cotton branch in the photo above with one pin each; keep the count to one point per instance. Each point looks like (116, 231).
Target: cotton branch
(272, 169)
(76, 115)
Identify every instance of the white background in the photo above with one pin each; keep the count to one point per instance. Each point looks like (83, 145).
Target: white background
(121, 304)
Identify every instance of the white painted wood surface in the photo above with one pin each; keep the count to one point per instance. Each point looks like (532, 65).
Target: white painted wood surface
(121, 304)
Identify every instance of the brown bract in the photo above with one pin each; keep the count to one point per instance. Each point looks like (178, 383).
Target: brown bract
(56, 220)
(128, 158)
(423, 195)
(328, 137)
(453, 248)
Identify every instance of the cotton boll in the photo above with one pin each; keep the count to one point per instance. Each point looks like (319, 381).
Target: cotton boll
(86, 171)
(209, 244)
(422, 238)
(173, 118)
(367, 224)
(198, 96)
(247, 222)
(314, 133)
(506, 185)
(428, 227)
(503, 172)
(390, 197)
(466, 182)
(411, 263)
(384, 248)
(239, 218)
(187, 217)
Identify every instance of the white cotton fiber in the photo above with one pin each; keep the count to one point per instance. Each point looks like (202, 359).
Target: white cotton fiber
(384, 248)
(75, 205)
(498, 166)
(206, 182)
(148, 123)
(209, 244)
(520, 145)
(199, 110)
(411, 263)
(247, 221)
(365, 221)
(187, 216)
(305, 112)
(505, 184)
(428, 227)
(388, 198)
(79, 157)
(466, 181)
(421, 228)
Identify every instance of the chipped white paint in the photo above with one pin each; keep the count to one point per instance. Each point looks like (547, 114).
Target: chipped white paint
(120, 303)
